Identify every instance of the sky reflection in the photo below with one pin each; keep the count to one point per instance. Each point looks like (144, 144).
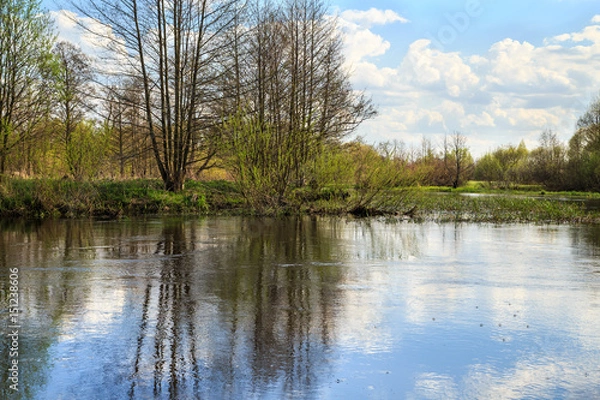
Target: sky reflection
(305, 308)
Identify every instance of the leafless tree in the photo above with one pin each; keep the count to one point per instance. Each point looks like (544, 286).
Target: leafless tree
(457, 158)
(129, 144)
(176, 48)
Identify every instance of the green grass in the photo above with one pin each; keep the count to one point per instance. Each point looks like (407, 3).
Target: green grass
(514, 189)
(43, 198)
(500, 209)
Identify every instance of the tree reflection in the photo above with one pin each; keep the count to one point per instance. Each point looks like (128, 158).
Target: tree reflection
(287, 295)
(56, 276)
(586, 239)
(179, 309)
(253, 312)
(254, 308)
(30, 245)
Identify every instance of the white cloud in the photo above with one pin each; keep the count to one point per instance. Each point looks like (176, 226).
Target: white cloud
(483, 119)
(596, 19)
(373, 16)
(95, 39)
(360, 42)
(433, 69)
(513, 90)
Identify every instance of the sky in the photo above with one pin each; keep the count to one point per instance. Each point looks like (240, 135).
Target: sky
(498, 72)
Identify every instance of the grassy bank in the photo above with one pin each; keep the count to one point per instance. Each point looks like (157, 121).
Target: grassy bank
(480, 187)
(43, 198)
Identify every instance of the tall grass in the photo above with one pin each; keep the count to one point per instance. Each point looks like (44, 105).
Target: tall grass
(40, 198)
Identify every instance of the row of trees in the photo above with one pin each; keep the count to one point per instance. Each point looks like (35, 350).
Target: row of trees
(256, 88)
(185, 85)
(553, 164)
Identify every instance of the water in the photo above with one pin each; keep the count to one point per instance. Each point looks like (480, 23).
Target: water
(309, 308)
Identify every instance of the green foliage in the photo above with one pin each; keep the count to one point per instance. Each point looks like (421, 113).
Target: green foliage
(25, 56)
(333, 166)
(506, 165)
(374, 174)
(86, 151)
(261, 162)
(41, 198)
(488, 168)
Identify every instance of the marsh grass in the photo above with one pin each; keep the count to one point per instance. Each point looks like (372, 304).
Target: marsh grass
(499, 208)
(42, 198)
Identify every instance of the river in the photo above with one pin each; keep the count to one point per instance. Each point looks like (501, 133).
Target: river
(299, 308)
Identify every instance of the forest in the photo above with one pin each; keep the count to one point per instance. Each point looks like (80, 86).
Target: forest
(228, 103)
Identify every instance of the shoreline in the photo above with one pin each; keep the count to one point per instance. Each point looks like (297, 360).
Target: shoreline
(108, 200)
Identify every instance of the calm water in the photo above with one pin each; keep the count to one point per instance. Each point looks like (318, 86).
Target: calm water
(243, 308)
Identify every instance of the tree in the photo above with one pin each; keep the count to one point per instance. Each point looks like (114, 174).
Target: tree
(25, 64)
(488, 168)
(588, 128)
(506, 164)
(457, 159)
(547, 162)
(73, 87)
(129, 146)
(297, 96)
(584, 151)
(176, 49)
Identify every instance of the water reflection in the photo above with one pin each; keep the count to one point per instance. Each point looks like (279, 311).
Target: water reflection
(234, 316)
(230, 308)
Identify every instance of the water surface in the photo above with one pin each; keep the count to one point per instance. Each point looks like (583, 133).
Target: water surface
(302, 308)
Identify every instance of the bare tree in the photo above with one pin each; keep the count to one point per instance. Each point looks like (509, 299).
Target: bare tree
(176, 48)
(297, 96)
(457, 158)
(130, 146)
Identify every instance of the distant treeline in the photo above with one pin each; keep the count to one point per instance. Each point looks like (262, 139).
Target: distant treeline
(557, 166)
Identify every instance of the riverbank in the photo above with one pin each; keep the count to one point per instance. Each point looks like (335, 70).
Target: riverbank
(62, 198)
(45, 198)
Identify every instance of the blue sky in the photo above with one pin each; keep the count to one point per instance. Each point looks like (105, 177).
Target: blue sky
(498, 72)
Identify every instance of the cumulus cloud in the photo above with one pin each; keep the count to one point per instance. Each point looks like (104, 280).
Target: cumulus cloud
(360, 42)
(514, 89)
(373, 16)
(430, 68)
